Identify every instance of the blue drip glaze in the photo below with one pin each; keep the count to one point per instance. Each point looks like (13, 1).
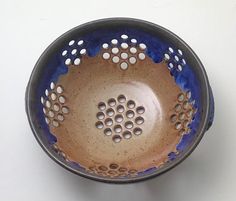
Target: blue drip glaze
(76, 165)
(148, 171)
(172, 156)
(186, 80)
(52, 71)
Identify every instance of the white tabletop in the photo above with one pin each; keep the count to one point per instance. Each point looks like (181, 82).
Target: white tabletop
(27, 27)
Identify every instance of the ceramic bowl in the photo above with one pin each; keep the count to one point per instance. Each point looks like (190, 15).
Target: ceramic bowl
(119, 100)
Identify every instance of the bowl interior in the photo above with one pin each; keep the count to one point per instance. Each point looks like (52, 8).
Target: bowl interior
(117, 101)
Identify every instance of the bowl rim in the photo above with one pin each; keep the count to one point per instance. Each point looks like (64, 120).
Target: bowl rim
(171, 165)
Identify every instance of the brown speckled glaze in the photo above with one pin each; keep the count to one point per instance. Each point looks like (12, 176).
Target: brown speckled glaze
(150, 85)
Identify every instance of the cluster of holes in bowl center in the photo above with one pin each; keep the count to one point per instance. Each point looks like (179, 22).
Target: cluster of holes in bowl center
(125, 53)
(54, 105)
(183, 113)
(120, 118)
(175, 59)
(74, 52)
(113, 170)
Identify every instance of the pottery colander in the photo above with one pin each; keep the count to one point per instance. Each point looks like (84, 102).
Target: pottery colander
(119, 100)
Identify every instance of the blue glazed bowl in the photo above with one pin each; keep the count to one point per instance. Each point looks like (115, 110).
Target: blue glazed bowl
(119, 100)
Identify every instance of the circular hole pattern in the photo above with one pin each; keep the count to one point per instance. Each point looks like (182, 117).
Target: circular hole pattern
(181, 116)
(120, 108)
(131, 104)
(167, 56)
(99, 125)
(122, 118)
(83, 51)
(173, 118)
(180, 52)
(130, 114)
(51, 113)
(123, 36)
(108, 131)
(141, 56)
(139, 120)
(132, 60)
(74, 51)
(62, 99)
(176, 58)
(108, 122)
(106, 55)
(133, 50)
(124, 59)
(133, 40)
(121, 98)
(188, 94)
(48, 104)
(179, 62)
(47, 120)
(138, 131)
(178, 108)
(60, 117)
(65, 110)
(115, 50)
(117, 128)
(179, 68)
(53, 96)
(112, 102)
(110, 112)
(116, 138)
(77, 61)
(64, 53)
(42, 100)
(129, 124)
(52, 85)
(100, 115)
(122, 169)
(124, 55)
(55, 123)
(114, 42)
(132, 171)
(171, 50)
(68, 61)
(119, 118)
(105, 46)
(80, 42)
(124, 66)
(113, 166)
(185, 123)
(171, 65)
(127, 135)
(186, 105)
(142, 46)
(190, 113)
(44, 110)
(184, 111)
(181, 97)
(101, 106)
(140, 110)
(103, 168)
(124, 45)
(116, 59)
(71, 42)
(182, 132)
(178, 125)
(59, 89)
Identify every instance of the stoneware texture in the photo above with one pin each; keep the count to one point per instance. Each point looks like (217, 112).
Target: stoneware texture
(119, 100)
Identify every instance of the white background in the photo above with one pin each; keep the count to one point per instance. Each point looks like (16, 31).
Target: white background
(27, 27)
